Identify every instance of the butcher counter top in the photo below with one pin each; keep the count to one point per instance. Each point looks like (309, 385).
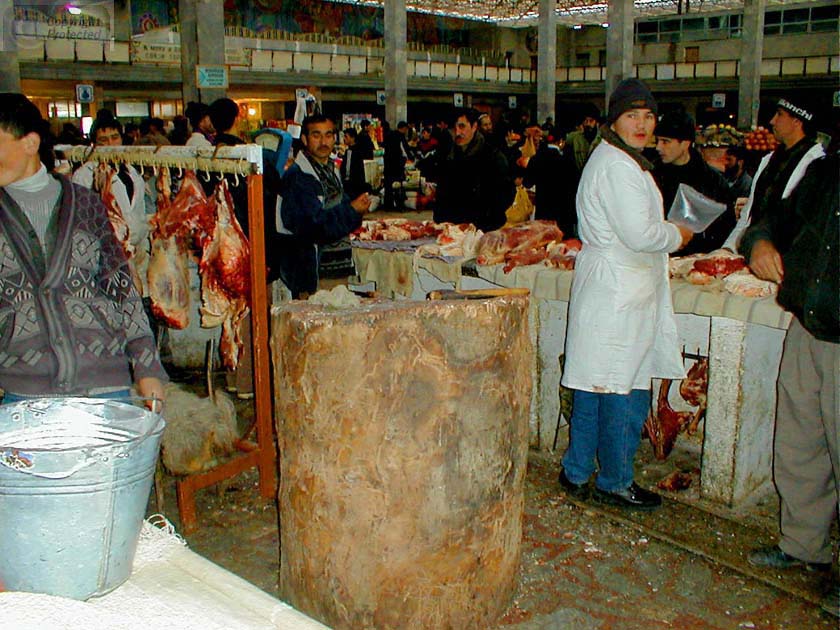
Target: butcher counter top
(394, 271)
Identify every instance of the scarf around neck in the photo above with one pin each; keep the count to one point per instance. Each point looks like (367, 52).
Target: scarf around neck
(614, 139)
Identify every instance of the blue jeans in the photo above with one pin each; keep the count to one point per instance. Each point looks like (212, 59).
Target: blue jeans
(609, 426)
(122, 394)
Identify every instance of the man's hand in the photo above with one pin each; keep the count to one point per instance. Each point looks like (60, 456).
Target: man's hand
(766, 262)
(361, 204)
(150, 387)
(740, 202)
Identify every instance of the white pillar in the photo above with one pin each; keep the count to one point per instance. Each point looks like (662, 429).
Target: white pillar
(749, 70)
(9, 67)
(396, 62)
(546, 60)
(619, 44)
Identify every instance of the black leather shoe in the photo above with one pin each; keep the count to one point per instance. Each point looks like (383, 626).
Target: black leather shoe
(632, 497)
(575, 490)
(775, 558)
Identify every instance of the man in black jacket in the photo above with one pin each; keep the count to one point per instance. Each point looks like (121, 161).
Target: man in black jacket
(475, 184)
(680, 163)
(353, 167)
(795, 244)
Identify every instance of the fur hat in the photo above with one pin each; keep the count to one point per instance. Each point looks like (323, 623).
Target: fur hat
(677, 125)
(630, 94)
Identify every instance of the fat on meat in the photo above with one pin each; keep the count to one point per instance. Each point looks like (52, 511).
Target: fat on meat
(168, 276)
(169, 283)
(225, 276)
(505, 244)
(103, 176)
(189, 216)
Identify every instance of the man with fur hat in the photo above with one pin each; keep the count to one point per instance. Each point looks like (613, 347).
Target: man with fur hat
(680, 163)
(779, 172)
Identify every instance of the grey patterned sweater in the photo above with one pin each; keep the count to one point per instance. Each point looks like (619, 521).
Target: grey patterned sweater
(71, 322)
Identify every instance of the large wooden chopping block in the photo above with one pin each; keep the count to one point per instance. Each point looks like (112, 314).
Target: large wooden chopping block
(403, 439)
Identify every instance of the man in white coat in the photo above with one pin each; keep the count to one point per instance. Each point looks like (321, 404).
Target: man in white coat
(622, 331)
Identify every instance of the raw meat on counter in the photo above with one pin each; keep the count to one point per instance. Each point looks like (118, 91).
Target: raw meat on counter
(395, 230)
(457, 240)
(746, 284)
(562, 255)
(705, 268)
(522, 244)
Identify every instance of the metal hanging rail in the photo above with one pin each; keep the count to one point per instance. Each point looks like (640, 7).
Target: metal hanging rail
(241, 161)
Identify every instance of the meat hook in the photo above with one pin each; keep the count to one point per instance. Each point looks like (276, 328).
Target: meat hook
(206, 177)
(236, 178)
(180, 172)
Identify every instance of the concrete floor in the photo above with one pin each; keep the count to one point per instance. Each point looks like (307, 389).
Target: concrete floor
(583, 565)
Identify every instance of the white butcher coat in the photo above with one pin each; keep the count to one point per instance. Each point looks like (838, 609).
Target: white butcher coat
(621, 330)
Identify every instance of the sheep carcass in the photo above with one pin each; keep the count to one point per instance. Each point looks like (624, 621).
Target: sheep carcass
(168, 277)
(520, 244)
(225, 276)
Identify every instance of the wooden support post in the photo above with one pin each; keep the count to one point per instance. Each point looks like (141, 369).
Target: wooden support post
(259, 322)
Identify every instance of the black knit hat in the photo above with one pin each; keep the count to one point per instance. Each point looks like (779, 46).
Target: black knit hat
(630, 94)
(796, 108)
(677, 125)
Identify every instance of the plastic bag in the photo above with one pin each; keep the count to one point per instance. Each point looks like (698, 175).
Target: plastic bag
(521, 209)
(693, 210)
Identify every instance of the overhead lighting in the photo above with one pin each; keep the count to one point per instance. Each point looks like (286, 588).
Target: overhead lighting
(252, 111)
(578, 27)
(605, 24)
(73, 10)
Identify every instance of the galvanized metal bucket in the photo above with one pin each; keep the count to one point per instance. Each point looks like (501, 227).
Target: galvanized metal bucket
(75, 476)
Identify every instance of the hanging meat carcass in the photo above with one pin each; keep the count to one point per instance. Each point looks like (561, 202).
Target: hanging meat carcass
(693, 390)
(103, 176)
(665, 423)
(168, 276)
(225, 276)
(189, 216)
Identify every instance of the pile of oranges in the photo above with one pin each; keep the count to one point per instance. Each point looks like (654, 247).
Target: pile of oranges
(760, 139)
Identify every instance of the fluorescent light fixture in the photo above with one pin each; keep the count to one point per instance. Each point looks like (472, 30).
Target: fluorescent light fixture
(605, 24)
(578, 27)
(73, 10)
(87, 123)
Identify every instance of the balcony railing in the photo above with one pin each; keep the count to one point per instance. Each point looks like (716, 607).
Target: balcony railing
(324, 60)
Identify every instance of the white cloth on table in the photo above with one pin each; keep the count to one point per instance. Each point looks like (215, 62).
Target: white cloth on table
(170, 588)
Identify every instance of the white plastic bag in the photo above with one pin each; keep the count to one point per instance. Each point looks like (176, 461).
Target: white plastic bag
(693, 210)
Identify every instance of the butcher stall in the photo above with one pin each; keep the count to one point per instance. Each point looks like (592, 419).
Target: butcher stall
(732, 326)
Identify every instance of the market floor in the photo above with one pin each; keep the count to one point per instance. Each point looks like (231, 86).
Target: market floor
(583, 566)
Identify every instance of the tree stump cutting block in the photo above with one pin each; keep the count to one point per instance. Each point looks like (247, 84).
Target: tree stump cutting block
(403, 440)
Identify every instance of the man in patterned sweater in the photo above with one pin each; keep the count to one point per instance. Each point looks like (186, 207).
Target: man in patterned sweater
(71, 321)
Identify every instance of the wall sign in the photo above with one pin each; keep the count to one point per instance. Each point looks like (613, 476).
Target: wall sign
(718, 100)
(84, 93)
(458, 99)
(211, 77)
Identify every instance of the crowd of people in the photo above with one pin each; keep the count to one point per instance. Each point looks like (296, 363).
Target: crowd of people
(72, 321)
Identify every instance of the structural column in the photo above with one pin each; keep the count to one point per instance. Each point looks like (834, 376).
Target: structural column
(202, 24)
(9, 68)
(619, 44)
(749, 70)
(121, 21)
(546, 60)
(396, 62)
